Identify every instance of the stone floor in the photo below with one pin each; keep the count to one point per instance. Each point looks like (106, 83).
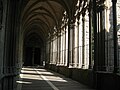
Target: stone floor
(41, 79)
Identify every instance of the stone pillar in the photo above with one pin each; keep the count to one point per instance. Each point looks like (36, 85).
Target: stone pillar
(73, 42)
(60, 47)
(70, 41)
(65, 47)
(52, 51)
(115, 36)
(1, 51)
(83, 39)
(95, 34)
(101, 37)
(2, 34)
(57, 50)
(49, 43)
(78, 23)
(90, 34)
(70, 28)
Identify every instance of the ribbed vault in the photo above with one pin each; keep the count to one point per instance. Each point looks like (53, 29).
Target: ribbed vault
(42, 16)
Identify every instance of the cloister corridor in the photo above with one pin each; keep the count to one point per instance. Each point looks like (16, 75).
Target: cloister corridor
(59, 44)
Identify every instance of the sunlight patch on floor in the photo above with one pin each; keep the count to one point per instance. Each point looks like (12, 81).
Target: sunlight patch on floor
(23, 82)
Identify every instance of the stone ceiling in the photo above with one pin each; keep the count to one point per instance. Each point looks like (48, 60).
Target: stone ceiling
(41, 16)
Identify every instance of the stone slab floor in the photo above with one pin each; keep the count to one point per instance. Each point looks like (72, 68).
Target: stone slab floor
(42, 79)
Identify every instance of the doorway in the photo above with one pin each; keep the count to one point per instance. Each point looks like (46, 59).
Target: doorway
(37, 56)
(28, 56)
(32, 57)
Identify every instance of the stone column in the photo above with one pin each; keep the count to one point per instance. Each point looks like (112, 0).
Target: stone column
(1, 44)
(83, 39)
(115, 36)
(95, 34)
(60, 47)
(57, 50)
(70, 39)
(78, 23)
(65, 47)
(90, 34)
(49, 51)
(52, 50)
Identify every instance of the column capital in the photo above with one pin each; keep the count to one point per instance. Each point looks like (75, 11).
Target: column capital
(83, 13)
(72, 23)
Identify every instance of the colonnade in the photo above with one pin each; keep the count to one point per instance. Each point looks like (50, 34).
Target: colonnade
(86, 37)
